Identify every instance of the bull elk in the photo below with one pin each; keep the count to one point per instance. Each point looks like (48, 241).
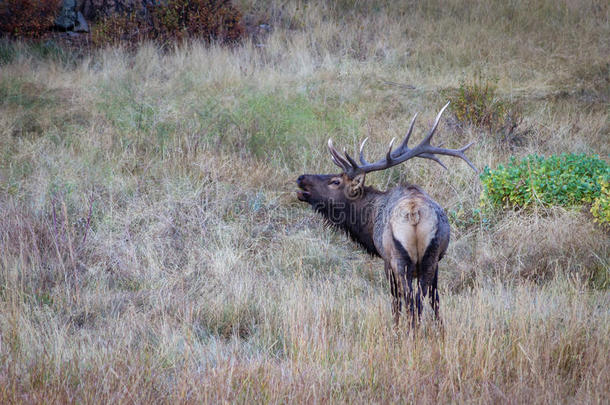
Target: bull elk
(404, 225)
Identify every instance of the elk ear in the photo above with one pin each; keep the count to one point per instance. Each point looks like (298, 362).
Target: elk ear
(357, 185)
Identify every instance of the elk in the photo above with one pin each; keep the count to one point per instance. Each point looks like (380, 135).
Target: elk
(404, 225)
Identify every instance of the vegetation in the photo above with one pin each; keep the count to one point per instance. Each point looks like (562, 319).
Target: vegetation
(477, 103)
(565, 180)
(152, 249)
(174, 20)
(601, 203)
(28, 18)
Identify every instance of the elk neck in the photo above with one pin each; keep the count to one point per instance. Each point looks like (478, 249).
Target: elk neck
(356, 217)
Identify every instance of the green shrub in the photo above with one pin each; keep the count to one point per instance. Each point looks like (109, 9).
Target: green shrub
(565, 180)
(601, 204)
(172, 20)
(477, 103)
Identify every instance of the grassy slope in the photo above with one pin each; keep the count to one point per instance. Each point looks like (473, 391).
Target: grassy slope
(199, 277)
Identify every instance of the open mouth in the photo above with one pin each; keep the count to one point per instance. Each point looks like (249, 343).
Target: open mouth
(303, 195)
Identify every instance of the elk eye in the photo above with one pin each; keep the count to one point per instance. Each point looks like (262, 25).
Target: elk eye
(335, 182)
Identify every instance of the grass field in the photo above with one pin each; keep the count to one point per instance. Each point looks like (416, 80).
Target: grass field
(152, 249)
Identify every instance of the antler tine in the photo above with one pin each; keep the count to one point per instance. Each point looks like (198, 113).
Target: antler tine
(428, 137)
(403, 145)
(362, 159)
(465, 147)
(431, 150)
(432, 157)
(389, 155)
(352, 162)
(465, 159)
(473, 167)
(463, 156)
(337, 158)
(332, 152)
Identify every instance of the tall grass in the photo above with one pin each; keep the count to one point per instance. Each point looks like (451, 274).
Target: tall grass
(152, 249)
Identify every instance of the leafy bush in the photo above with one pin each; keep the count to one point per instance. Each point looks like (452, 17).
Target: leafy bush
(173, 20)
(601, 204)
(565, 180)
(477, 103)
(28, 18)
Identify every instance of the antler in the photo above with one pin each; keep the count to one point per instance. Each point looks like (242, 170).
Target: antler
(401, 154)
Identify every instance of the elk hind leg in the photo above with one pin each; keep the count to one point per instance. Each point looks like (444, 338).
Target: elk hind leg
(429, 276)
(391, 275)
(434, 298)
(405, 268)
(418, 298)
(410, 300)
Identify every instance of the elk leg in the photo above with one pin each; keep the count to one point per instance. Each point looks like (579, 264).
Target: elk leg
(396, 302)
(406, 278)
(434, 297)
(418, 300)
(429, 276)
(405, 268)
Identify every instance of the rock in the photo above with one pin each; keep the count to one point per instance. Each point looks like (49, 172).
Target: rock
(81, 24)
(79, 5)
(67, 15)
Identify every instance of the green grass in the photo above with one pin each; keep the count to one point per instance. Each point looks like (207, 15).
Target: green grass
(268, 124)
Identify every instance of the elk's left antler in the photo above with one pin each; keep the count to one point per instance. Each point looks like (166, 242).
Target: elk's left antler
(403, 153)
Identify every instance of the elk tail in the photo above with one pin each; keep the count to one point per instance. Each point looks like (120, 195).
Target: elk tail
(413, 216)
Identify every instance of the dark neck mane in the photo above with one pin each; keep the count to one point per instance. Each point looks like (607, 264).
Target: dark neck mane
(355, 218)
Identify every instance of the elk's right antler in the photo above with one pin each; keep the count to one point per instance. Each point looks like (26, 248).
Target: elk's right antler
(401, 154)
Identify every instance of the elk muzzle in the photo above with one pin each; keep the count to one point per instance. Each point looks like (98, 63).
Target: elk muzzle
(303, 193)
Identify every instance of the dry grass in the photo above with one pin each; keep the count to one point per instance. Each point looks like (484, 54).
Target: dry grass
(152, 249)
